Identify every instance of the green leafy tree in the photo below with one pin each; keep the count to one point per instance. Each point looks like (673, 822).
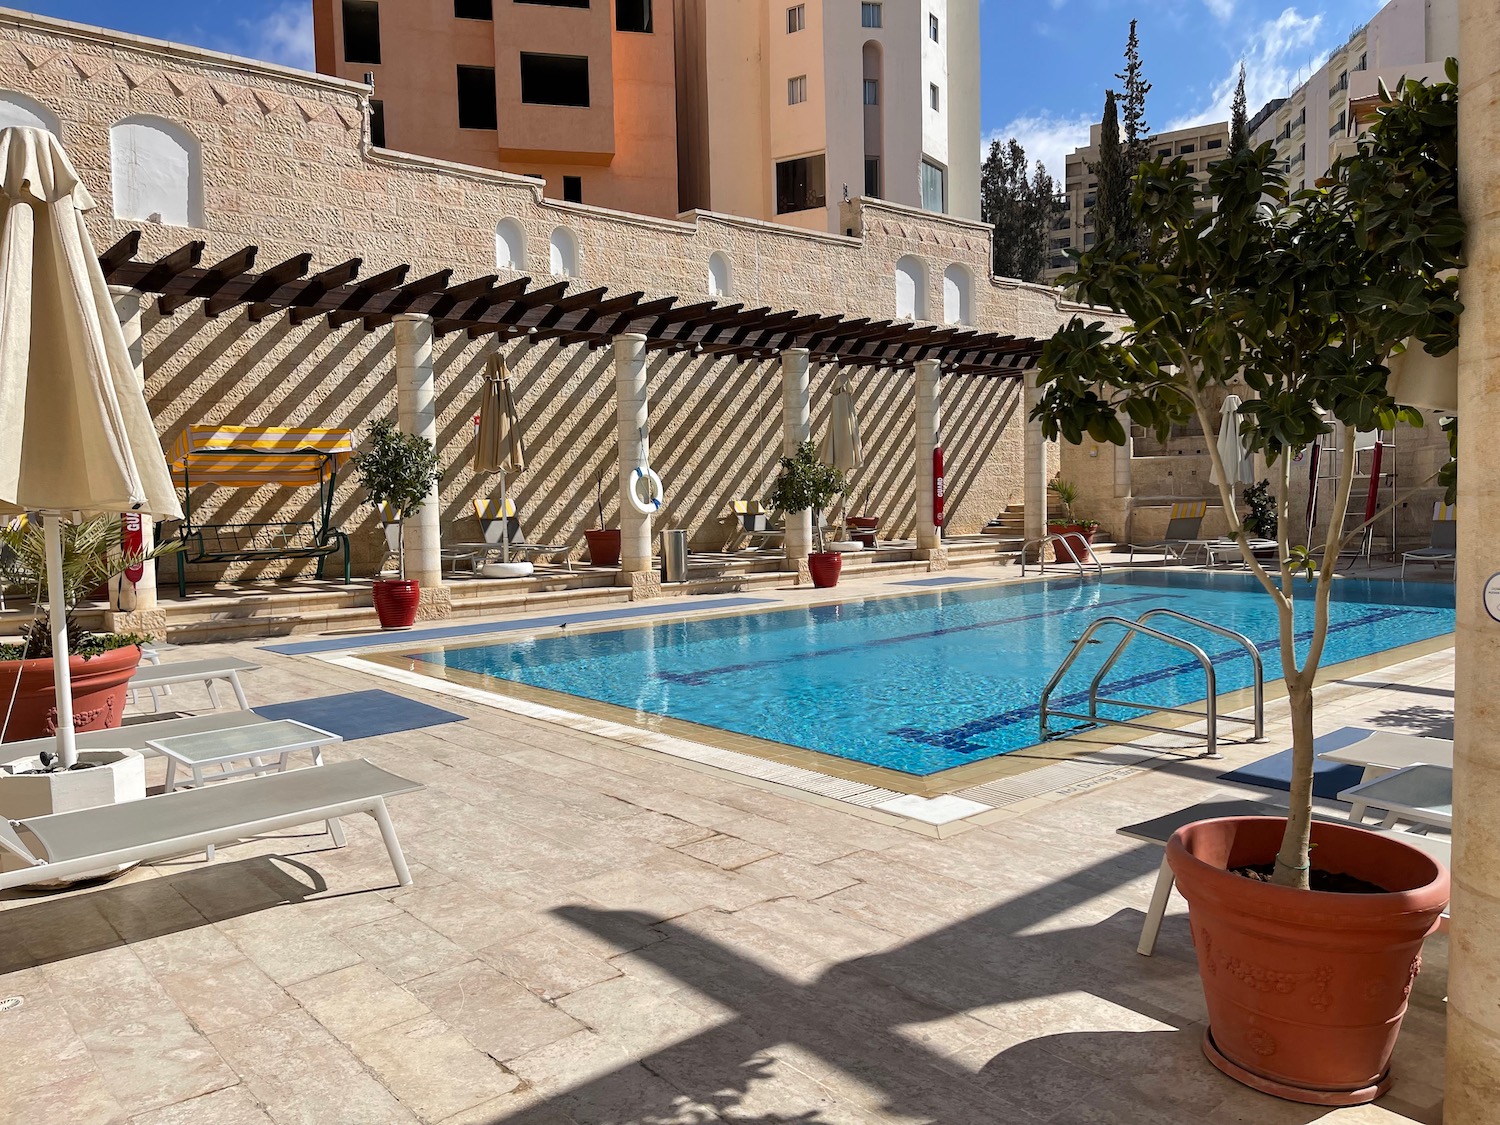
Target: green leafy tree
(1239, 120)
(1020, 206)
(806, 484)
(1113, 217)
(1137, 139)
(400, 471)
(1304, 298)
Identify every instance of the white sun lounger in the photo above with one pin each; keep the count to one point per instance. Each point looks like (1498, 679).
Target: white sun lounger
(206, 672)
(90, 840)
(1382, 752)
(134, 736)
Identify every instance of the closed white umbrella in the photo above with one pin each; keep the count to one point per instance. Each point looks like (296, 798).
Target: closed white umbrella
(842, 447)
(75, 434)
(498, 447)
(1234, 452)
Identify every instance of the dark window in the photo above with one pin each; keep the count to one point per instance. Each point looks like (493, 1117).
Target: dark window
(361, 31)
(869, 15)
(800, 184)
(476, 98)
(932, 28)
(1186, 149)
(573, 189)
(474, 9)
(377, 123)
(1217, 142)
(872, 177)
(633, 15)
(1163, 152)
(555, 79)
(796, 18)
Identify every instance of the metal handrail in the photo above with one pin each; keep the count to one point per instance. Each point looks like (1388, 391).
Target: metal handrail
(1258, 720)
(1136, 628)
(1059, 537)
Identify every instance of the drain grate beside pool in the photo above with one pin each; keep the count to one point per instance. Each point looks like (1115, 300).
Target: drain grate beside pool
(1059, 778)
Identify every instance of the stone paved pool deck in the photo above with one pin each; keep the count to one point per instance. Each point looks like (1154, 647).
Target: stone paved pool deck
(602, 936)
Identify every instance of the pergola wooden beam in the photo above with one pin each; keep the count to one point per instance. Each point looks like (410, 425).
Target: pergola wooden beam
(213, 279)
(164, 269)
(400, 301)
(306, 292)
(258, 289)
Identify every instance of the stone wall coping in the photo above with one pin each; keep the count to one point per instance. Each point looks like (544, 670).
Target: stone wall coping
(766, 226)
(178, 51)
(454, 168)
(867, 204)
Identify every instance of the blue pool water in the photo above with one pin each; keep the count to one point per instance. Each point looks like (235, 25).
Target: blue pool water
(928, 681)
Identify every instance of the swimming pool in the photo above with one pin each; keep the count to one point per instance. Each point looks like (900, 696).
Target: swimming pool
(926, 682)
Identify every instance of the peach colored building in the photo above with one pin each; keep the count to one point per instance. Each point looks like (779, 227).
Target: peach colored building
(579, 94)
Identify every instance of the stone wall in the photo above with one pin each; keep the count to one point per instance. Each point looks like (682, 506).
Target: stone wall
(286, 165)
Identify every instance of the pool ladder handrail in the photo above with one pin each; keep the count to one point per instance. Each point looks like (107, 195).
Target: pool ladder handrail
(1059, 537)
(1137, 628)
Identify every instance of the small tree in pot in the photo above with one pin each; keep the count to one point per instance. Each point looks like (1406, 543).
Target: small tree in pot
(400, 471)
(1070, 526)
(806, 484)
(1304, 297)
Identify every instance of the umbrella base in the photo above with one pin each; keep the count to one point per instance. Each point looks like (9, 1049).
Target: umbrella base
(507, 570)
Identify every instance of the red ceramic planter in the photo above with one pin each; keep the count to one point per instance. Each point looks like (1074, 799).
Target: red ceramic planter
(1067, 550)
(1306, 990)
(396, 601)
(825, 567)
(98, 693)
(604, 546)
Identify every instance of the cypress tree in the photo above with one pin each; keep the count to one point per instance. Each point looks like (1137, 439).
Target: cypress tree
(1239, 131)
(1133, 105)
(1112, 215)
(1020, 208)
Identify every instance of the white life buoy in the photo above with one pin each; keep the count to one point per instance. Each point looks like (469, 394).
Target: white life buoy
(651, 502)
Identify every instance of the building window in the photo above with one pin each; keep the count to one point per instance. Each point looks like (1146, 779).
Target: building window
(800, 184)
(719, 272)
(555, 79)
(377, 123)
(476, 97)
(573, 189)
(1164, 152)
(1216, 142)
(869, 15)
(1184, 150)
(872, 177)
(934, 187)
(156, 169)
(1088, 239)
(510, 245)
(796, 18)
(633, 15)
(361, 31)
(932, 27)
(796, 90)
(933, 97)
(872, 91)
(474, 9)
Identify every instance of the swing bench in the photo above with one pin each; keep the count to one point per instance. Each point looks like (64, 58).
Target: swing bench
(249, 457)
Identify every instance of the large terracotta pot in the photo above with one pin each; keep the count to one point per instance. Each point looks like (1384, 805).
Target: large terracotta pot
(1067, 550)
(604, 546)
(396, 601)
(1306, 989)
(863, 529)
(825, 567)
(98, 693)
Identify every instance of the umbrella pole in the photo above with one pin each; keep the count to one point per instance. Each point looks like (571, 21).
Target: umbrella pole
(57, 611)
(504, 522)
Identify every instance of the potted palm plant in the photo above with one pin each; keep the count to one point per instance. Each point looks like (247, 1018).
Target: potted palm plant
(604, 542)
(398, 471)
(807, 484)
(1308, 934)
(1069, 549)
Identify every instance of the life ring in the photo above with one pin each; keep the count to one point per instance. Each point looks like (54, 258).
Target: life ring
(651, 504)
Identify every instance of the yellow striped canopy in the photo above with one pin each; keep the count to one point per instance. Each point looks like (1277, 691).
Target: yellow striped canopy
(250, 456)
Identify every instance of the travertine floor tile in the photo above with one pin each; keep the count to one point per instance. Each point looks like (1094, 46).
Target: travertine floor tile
(356, 1001)
(431, 1068)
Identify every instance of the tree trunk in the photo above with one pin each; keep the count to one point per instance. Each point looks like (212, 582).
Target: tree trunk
(1292, 860)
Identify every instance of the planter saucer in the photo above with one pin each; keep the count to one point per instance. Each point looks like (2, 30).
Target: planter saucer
(1287, 1092)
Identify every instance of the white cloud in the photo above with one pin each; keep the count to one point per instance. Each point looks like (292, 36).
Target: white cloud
(1281, 53)
(284, 35)
(1221, 9)
(1046, 137)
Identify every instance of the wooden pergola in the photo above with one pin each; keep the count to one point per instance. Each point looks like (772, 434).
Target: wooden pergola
(506, 310)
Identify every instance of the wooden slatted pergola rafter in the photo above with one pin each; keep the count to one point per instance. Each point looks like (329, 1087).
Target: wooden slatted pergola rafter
(484, 306)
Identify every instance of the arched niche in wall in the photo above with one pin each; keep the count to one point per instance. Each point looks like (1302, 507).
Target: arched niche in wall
(911, 288)
(720, 274)
(19, 111)
(958, 295)
(510, 245)
(563, 252)
(157, 171)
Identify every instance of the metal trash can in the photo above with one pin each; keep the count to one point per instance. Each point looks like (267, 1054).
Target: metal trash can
(674, 556)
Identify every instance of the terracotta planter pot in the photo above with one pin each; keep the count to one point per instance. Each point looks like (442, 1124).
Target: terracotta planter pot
(825, 567)
(1067, 549)
(863, 528)
(98, 693)
(604, 546)
(1306, 989)
(396, 601)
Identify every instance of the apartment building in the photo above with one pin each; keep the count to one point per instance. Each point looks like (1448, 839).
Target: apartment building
(785, 108)
(581, 94)
(1201, 147)
(1311, 125)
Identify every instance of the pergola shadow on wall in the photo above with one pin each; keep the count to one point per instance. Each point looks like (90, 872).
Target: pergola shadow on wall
(561, 314)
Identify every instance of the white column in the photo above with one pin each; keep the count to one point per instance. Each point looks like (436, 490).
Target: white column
(1034, 463)
(416, 401)
(634, 436)
(929, 437)
(1473, 1078)
(796, 391)
(142, 597)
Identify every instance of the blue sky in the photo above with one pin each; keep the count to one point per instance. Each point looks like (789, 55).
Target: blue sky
(1046, 62)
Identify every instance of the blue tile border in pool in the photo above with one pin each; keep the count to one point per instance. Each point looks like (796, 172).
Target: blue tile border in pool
(948, 581)
(479, 628)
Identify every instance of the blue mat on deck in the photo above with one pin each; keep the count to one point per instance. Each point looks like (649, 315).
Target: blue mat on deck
(360, 714)
(1329, 778)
